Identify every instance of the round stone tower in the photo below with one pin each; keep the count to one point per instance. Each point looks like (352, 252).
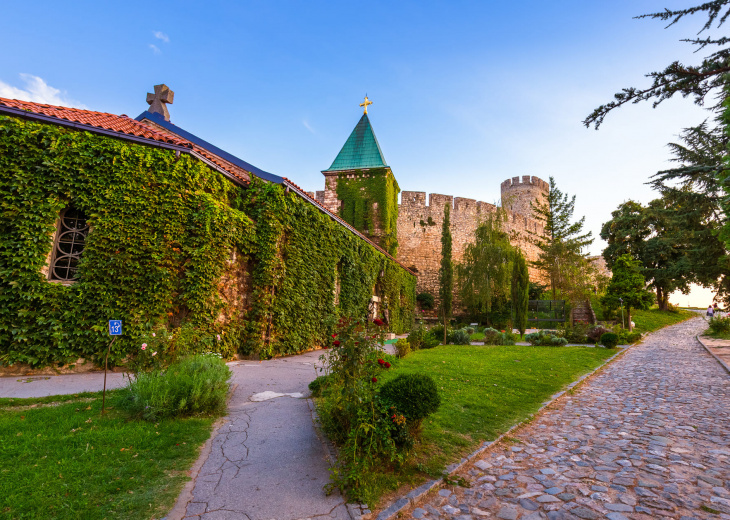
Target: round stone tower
(517, 195)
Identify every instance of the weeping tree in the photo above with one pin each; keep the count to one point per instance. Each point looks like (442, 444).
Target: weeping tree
(484, 273)
(446, 272)
(520, 288)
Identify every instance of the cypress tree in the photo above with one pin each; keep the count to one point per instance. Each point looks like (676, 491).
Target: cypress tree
(446, 273)
(520, 291)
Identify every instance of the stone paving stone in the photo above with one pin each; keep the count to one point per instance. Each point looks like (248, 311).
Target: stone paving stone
(648, 437)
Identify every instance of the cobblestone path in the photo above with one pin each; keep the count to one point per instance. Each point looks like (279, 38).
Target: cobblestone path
(648, 437)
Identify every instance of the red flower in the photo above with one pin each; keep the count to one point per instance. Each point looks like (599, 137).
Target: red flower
(375, 380)
(334, 335)
(387, 365)
(337, 342)
(381, 361)
(502, 331)
(378, 321)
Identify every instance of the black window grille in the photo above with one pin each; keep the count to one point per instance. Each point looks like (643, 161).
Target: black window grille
(69, 245)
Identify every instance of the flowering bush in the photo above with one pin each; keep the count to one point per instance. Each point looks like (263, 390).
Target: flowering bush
(350, 409)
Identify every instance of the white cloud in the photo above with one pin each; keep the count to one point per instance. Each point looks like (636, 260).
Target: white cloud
(161, 36)
(38, 91)
(155, 48)
(308, 126)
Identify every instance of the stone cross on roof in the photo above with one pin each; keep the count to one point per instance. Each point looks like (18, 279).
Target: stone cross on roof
(158, 101)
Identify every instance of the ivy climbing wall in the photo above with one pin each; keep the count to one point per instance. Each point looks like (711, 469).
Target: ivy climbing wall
(172, 242)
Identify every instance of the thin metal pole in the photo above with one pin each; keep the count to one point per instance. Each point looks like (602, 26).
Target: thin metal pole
(106, 362)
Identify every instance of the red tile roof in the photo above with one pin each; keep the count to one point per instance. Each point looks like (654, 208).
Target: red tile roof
(126, 125)
(112, 122)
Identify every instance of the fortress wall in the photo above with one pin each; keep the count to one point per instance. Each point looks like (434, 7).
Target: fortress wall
(419, 231)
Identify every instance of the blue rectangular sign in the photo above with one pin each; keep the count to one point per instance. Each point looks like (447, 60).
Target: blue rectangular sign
(115, 327)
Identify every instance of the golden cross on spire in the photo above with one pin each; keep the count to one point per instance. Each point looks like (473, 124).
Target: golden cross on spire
(366, 103)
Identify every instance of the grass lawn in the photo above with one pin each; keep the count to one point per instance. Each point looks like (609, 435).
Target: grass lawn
(654, 319)
(60, 459)
(484, 391)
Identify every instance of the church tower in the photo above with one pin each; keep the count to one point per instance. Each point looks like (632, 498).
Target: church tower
(360, 186)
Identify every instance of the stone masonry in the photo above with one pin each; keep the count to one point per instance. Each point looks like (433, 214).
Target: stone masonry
(419, 224)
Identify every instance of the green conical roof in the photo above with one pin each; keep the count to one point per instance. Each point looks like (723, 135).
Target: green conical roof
(360, 151)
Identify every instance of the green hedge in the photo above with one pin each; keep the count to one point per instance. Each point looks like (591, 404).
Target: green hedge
(163, 229)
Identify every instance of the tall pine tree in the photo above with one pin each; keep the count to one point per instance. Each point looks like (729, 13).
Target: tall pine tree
(561, 244)
(446, 273)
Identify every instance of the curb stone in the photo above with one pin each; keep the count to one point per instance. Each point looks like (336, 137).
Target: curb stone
(414, 496)
(724, 365)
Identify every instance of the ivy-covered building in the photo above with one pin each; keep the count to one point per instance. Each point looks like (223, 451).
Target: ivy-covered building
(109, 217)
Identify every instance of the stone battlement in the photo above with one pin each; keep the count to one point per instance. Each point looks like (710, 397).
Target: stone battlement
(417, 200)
(526, 181)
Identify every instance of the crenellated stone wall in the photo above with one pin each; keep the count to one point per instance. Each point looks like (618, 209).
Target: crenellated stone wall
(419, 231)
(419, 223)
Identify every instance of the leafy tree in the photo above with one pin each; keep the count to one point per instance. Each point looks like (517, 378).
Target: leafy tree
(675, 237)
(520, 287)
(644, 233)
(446, 273)
(561, 245)
(627, 284)
(484, 271)
(696, 81)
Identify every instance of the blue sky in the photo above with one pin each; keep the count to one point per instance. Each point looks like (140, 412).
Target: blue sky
(466, 94)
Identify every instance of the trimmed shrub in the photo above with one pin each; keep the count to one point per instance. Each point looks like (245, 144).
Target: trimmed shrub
(578, 333)
(194, 385)
(594, 334)
(460, 337)
(402, 348)
(470, 330)
(609, 340)
(491, 336)
(627, 338)
(413, 395)
(430, 341)
(545, 339)
(507, 338)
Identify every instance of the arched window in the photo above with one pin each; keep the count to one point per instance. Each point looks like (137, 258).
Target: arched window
(69, 245)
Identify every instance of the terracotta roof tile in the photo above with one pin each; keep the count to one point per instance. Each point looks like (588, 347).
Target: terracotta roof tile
(103, 120)
(122, 124)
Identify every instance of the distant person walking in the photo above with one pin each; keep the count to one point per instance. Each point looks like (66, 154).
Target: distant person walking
(710, 311)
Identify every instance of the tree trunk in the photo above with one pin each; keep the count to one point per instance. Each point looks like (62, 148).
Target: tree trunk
(445, 321)
(628, 312)
(662, 296)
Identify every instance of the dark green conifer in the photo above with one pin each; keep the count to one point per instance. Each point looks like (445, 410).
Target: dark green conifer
(446, 273)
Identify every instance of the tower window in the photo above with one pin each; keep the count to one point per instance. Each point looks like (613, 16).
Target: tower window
(69, 245)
